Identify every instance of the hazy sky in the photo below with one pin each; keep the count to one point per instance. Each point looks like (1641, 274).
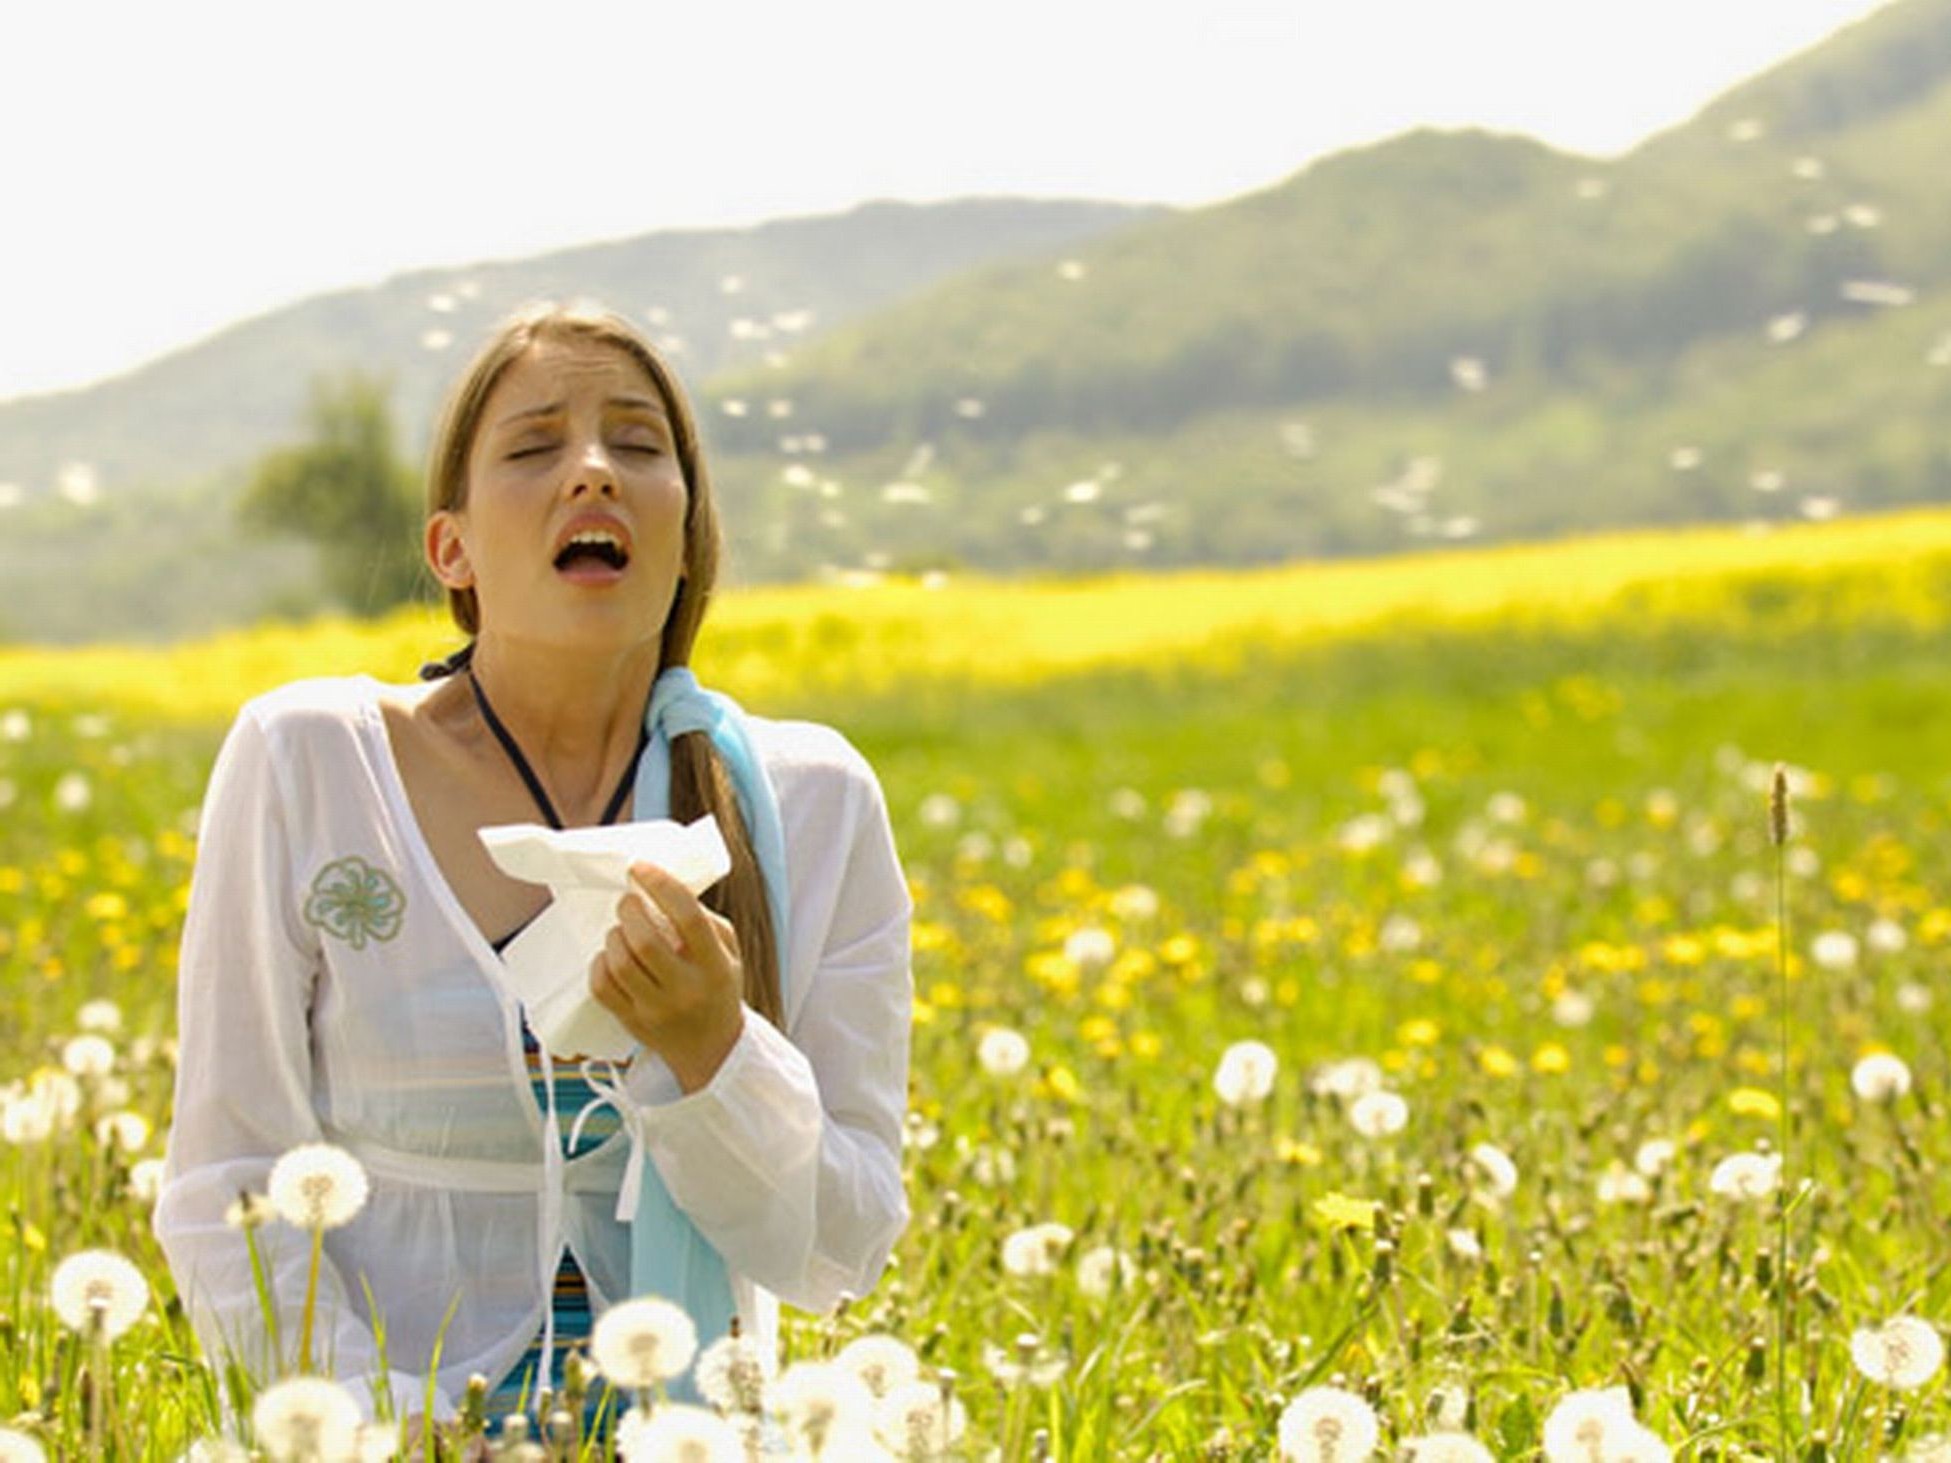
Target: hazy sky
(171, 168)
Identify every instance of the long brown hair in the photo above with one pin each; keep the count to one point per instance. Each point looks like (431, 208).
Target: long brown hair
(699, 782)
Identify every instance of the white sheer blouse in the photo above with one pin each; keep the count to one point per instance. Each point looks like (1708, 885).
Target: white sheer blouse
(333, 988)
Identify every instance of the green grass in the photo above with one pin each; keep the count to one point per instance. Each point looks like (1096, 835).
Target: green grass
(1635, 870)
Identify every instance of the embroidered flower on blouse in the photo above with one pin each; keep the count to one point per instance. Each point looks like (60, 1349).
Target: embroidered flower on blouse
(356, 902)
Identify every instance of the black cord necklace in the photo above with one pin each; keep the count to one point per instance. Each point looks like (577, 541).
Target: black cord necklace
(536, 790)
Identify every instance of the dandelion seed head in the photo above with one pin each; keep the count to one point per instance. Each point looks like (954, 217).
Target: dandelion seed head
(1348, 1079)
(1447, 1447)
(99, 1287)
(882, 1363)
(317, 1186)
(146, 1180)
(1003, 1052)
(1246, 1073)
(1880, 1077)
(641, 1342)
(1747, 1177)
(88, 1056)
(1495, 1169)
(1103, 1268)
(1378, 1114)
(1036, 1249)
(1834, 950)
(1903, 1353)
(918, 1424)
(678, 1433)
(249, 1211)
(1328, 1425)
(18, 1447)
(733, 1374)
(1090, 947)
(818, 1404)
(103, 1017)
(305, 1419)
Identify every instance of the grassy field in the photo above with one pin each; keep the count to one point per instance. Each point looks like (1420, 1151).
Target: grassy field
(1493, 823)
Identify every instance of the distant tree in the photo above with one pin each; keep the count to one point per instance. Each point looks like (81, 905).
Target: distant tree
(346, 491)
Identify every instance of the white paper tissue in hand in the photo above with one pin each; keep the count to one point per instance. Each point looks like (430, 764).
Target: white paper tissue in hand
(587, 870)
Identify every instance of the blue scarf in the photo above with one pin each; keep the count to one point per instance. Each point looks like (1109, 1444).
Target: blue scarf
(668, 1256)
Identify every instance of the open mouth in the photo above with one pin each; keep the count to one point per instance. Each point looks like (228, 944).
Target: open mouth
(592, 552)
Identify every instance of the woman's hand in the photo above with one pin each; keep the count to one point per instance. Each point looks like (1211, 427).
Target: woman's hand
(670, 972)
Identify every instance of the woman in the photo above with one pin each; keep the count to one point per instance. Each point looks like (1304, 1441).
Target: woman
(341, 976)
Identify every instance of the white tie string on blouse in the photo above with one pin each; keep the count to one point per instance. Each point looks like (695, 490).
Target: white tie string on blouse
(333, 988)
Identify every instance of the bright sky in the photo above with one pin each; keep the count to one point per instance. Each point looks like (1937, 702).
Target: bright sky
(172, 168)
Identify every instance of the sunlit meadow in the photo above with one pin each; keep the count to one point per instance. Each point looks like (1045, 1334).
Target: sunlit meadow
(1474, 850)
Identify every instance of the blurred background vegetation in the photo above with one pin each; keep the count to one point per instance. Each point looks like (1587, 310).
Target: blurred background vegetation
(1441, 338)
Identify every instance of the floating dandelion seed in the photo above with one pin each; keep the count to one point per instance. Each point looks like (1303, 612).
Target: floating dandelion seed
(1085, 490)
(1880, 1077)
(1785, 328)
(99, 1287)
(906, 493)
(1684, 459)
(1469, 373)
(1590, 190)
(78, 483)
(1823, 223)
(317, 1186)
(678, 1433)
(940, 810)
(306, 1419)
(733, 407)
(734, 1372)
(1746, 1177)
(1328, 1425)
(436, 339)
(1746, 129)
(639, 1343)
(731, 284)
(1378, 1114)
(969, 408)
(1863, 216)
(1036, 1250)
(1071, 270)
(881, 1363)
(1246, 1073)
(1903, 1353)
(1002, 1052)
(1879, 292)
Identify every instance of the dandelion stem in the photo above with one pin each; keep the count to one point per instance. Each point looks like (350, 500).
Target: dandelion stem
(311, 1300)
(264, 1301)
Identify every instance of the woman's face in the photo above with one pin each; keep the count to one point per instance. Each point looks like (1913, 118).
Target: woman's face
(573, 529)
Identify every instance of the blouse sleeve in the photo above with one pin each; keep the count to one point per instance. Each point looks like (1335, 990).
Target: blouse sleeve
(789, 1159)
(243, 1087)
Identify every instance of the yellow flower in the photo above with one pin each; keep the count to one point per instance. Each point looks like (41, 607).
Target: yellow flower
(1146, 1044)
(1418, 1032)
(1497, 1062)
(1752, 1102)
(1296, 1152)
(1061, 1083)
(1338, 1211)
(1551, 1059)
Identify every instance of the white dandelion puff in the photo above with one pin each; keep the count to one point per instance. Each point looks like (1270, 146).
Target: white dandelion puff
(89, 1056)
(1378, 1114)
(1135, 903)
(678, 1433)
(99, 1287)
(1464, 1244)
(1003, 1052)
(128, 1131)
(1747, 1176)
(917, 1422)
(103, 1017)
(1880, 1077)
(820, 1406)
(1348, 1079)
(146, 1180)
(1886, 936)
(1036, 1250)
(1090, 947)
(734, 1372)
(882, 1363)
(1495, 1170)
(306, 1419)
(1328, 1425)
(1621, 1185)
(1589, 1424)
(1246, 1073)
(1903, 1353)
(1834, 950)
(639, 1343)
(1104, 1268)
(317, 1186)
(17, 1447)
(250, 1211)
(1652, 1157)
(940, 810)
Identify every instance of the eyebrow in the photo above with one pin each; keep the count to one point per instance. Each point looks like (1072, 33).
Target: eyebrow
(640, 403)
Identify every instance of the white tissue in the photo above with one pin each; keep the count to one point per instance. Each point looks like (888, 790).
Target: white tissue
(588, 870)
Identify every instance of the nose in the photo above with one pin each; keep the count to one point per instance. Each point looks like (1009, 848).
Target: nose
(594, 474)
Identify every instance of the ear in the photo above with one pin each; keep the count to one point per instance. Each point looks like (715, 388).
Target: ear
(447, 551)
